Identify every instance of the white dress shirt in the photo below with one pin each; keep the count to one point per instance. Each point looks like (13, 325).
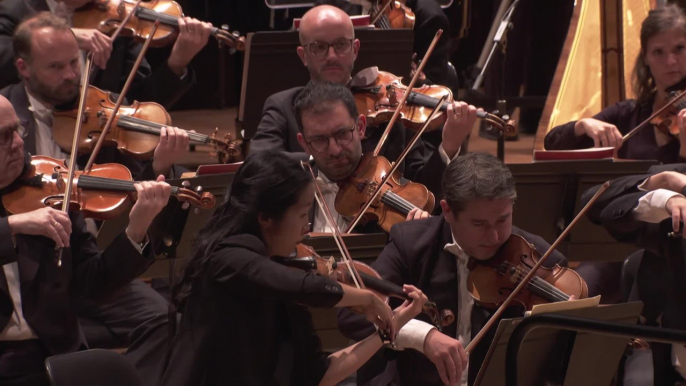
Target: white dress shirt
(651, 208)
(45, 143)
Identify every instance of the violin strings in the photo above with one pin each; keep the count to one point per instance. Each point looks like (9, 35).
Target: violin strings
(544, 288)
(397, 202)
(154, 128)
(95, 183)
(541, 285)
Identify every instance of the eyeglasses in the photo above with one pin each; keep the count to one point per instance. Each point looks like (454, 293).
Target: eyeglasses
(320, 49)
(7, 136)
(342, 137)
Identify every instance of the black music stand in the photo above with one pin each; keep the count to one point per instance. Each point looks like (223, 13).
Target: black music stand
(271, 65)
(592, 359)
(549, 196)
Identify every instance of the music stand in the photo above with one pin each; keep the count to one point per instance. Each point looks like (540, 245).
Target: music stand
(593, 359)
(271, 64)
(552, 191)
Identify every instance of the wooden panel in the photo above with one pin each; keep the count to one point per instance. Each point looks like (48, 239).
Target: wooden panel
(635, 11)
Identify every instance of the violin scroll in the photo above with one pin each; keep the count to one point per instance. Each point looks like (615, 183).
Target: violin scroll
(226, 150)
(198, 198)
(503, 124)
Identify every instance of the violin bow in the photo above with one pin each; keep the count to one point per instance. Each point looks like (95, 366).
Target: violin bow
(396, 165)
(380, 12)
(122, 95)
(75, 143)
(470, 347)
(407, 93)
(126, 20)
(324, 207)
(653, 115)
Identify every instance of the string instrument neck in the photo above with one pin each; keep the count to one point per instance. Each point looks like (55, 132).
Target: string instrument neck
(110, 184)
(148, 127)
(397, 202)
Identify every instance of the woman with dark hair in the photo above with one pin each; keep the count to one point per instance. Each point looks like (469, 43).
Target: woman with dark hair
(660, 64)
(245, 320)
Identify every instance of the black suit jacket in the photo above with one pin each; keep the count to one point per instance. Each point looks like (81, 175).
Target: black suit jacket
(47, 290)
(140, 171)
(415, 255)
(661, 274)
(278, 130)
(161, 85)
(245, 322)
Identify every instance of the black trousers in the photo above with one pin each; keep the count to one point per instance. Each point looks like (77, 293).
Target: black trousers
(136, 317)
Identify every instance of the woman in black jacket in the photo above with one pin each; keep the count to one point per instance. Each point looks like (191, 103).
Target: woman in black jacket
(245, 320)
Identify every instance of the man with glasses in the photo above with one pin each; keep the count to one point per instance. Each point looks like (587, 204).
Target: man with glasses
(37, 315)
(328, 50)
(47, 59)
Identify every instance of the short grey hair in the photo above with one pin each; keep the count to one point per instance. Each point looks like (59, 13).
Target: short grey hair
(476, 176)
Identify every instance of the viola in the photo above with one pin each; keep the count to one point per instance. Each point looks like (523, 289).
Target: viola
(379, 100)
(392, 14)
(104, 193)
(135, 131)
(308, 260)
(491, 281)
(105, 16)
(395, 200)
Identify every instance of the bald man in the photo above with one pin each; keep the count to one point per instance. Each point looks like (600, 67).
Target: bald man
(37, 315)
(328, 48)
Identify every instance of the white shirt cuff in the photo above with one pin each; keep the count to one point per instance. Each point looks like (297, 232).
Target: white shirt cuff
(413, 334)
(642, 186)
(140, 247)
(444, 155)
(185, 73)
(651, 207)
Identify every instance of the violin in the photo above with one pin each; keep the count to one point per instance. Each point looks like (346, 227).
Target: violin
(105, 16)
(135, 131)
(667, 121)
(379, 100)
(392, 204)
(392, 14)
(102, 194)
(308, 260)
(491, 281)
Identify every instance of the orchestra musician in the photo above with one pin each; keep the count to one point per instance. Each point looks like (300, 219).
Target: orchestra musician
(331, 133)
(660, 64)
(245, 319)
(429, 18)
(164, 84)
(433, 254)
(37, 317)
(47, 59)
(643, 210)
(328, 50)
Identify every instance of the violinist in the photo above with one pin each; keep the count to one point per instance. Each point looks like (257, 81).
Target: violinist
(245, 320)
(38, 318)
(433, 254)
(428, 18)
(164, 84)
(331, 133)
(47, 59)
(328, 50)
(643, 210)
(661, 63)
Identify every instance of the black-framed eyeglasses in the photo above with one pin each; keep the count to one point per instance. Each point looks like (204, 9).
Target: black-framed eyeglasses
(342, 138)
(320, 49)
(7, 136)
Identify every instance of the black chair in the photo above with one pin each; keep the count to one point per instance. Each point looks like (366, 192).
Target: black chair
(95, 367)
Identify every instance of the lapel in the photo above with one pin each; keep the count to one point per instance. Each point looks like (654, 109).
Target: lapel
(30, 251)
(20, 101)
